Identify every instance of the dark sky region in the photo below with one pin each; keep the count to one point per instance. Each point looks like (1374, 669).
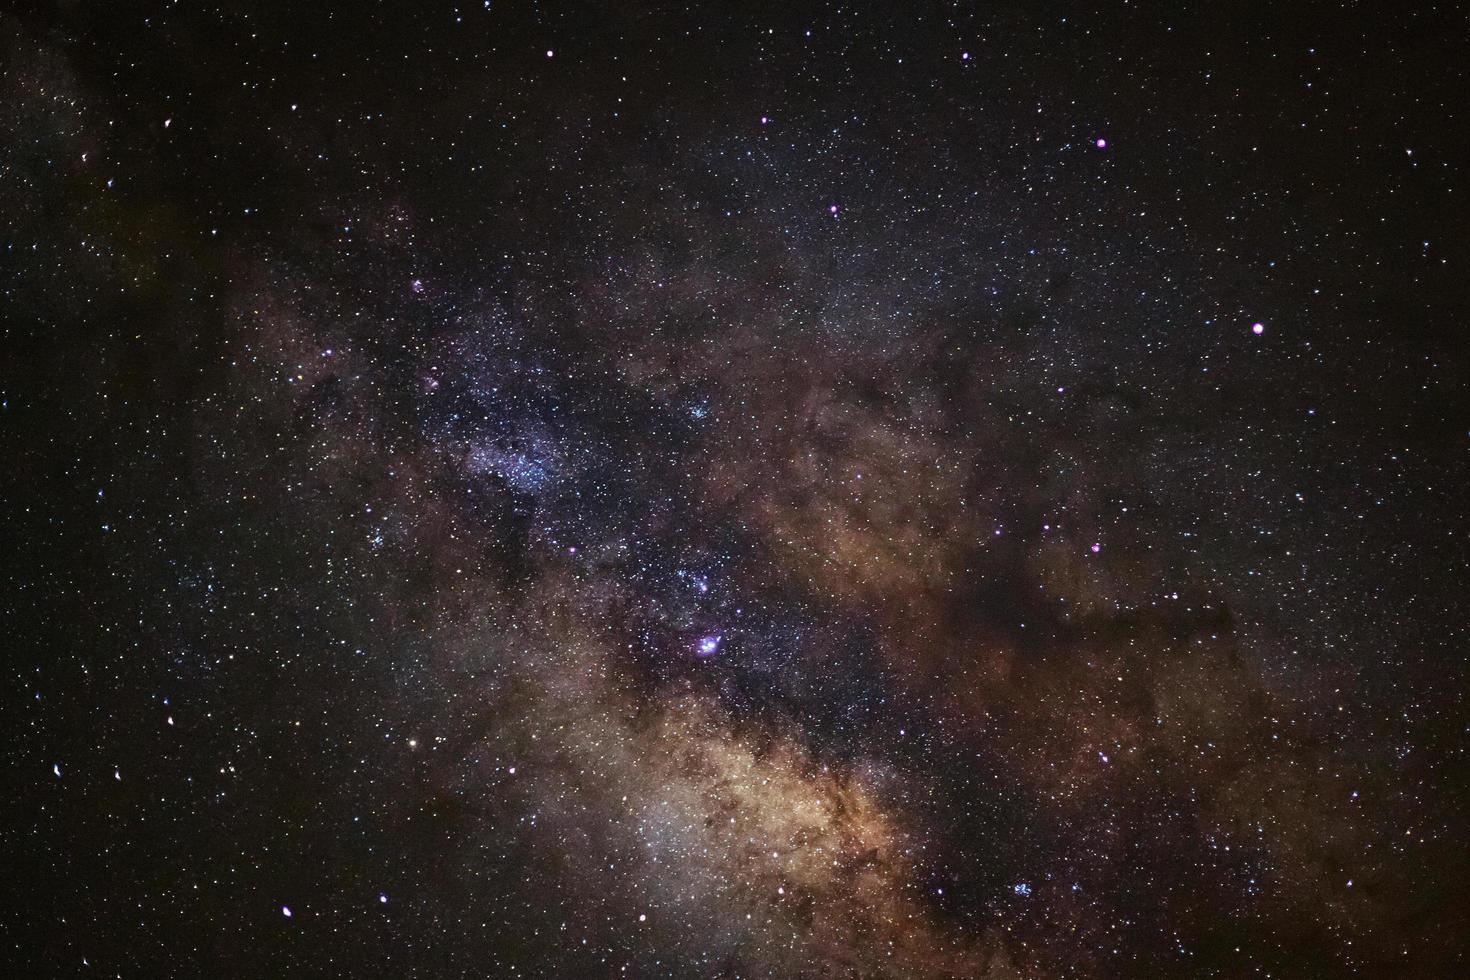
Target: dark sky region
(740, 490)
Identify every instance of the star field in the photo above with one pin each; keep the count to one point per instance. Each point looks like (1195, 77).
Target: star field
(735, 490)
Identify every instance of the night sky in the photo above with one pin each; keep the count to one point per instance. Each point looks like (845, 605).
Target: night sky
(547, 490)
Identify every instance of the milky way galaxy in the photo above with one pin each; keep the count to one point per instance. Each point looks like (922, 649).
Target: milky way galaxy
(534, 490)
